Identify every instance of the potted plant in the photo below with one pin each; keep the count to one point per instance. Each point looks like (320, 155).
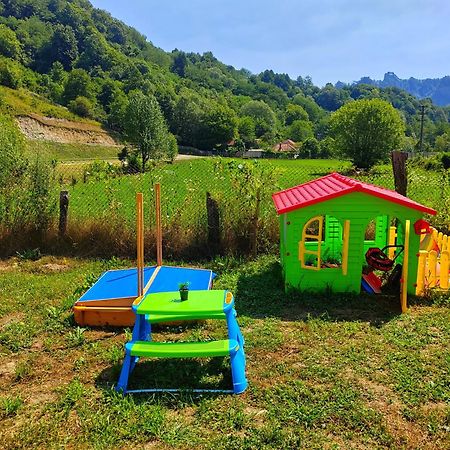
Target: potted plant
(184, 290)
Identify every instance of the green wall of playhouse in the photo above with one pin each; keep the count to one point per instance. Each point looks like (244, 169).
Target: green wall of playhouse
(360, 209)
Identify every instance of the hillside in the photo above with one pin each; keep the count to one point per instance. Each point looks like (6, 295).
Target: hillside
(86, 63)
(437, 89)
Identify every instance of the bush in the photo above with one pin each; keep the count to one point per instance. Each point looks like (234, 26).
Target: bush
(99, 170)
(42, 195)
(81, 106)
(10, 73)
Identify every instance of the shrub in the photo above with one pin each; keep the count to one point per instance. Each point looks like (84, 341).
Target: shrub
(10, 73)
(81, 106)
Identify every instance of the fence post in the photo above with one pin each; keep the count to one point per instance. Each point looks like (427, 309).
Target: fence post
(445, 267)
(400, 172)
(212, 210)
(63, 212)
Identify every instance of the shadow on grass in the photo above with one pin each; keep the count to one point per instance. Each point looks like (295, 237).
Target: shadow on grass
(183, 374)
(261, 294)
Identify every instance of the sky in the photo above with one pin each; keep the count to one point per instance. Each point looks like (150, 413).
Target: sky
(329, 40)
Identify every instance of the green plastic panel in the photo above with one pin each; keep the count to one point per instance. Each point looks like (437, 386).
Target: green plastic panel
(183, 349)
(201, 304)
(160, 318)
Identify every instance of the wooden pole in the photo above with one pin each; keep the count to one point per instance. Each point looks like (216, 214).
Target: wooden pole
(158, 224)
(63, 212)
(400, 172)
(140, 242)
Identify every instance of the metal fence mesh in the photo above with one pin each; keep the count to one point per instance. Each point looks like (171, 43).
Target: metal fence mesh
(102, 201)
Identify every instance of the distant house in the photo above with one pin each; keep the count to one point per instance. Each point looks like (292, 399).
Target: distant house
(253, 153)
(285, 146)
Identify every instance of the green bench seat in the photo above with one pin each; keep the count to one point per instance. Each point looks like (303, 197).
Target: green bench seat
(147, 349)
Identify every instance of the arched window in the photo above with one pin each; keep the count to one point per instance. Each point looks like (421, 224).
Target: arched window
(312, 232)
(324, 244)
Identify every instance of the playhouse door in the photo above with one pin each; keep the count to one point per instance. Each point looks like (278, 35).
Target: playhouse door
(404, 279)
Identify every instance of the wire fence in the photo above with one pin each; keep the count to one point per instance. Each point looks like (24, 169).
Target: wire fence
(209, 205)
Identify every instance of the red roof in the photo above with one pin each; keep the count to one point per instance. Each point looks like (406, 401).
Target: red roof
(335, 185)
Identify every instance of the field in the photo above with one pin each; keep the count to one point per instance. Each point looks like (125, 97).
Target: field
(184, 185)
(324, 372)
(72, 153)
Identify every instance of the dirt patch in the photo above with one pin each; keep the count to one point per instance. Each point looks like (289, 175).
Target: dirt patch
(409, 435)
(63, 131)
(10, 318)
(7, 369)
(54, 268)
(7, 265)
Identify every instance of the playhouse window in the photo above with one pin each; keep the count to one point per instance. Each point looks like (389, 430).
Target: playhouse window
(324, 244)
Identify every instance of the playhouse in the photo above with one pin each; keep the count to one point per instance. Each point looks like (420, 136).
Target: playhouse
(328, 226)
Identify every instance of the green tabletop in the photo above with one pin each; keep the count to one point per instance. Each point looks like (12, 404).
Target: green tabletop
(199, 303)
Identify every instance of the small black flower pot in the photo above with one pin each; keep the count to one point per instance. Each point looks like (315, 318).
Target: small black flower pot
(184, 294)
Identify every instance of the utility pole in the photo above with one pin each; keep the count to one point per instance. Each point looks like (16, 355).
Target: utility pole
(422, 114)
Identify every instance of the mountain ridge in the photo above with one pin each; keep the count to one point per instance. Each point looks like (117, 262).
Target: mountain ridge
(436, 89)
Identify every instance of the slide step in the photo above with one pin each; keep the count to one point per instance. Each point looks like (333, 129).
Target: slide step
(182, 349)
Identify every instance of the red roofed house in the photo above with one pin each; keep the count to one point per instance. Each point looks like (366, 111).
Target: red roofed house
(327, 225)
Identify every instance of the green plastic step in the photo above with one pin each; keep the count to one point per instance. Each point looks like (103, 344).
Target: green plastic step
(183, 349)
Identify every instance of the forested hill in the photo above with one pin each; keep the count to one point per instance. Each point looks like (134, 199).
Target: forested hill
(438, 89)
(81, 57)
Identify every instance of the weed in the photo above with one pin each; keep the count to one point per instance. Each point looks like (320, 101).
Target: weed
(29, 255)
(9, 406)
(16, 336)
(76, 337)
(23, 370)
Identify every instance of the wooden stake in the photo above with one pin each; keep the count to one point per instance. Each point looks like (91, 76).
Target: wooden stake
(140, 241)
(63, 212)
(400, 171)
(158, 224)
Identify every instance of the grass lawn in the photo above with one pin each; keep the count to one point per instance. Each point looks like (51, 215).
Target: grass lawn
(324, 372)
(184, 186)
(79, 153)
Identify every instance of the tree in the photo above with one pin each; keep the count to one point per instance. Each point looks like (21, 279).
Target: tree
(78, 84)
(262, 114)
(63, 47)
(186, 117)
(145, 127)
(366, 131)
(246, 129)
(443, 143)
(315, 112)
(11, 73)
(218, 126)
(295, 112)
(9, 44)
(300, 130)
(179, 64)
(331, 98)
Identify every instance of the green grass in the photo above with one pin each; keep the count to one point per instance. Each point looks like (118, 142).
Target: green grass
(23, 102)
(185, 184)
(184, 187)
(79, 153)
(325, 372)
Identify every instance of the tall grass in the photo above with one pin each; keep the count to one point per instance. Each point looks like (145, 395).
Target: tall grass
(102, 209)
